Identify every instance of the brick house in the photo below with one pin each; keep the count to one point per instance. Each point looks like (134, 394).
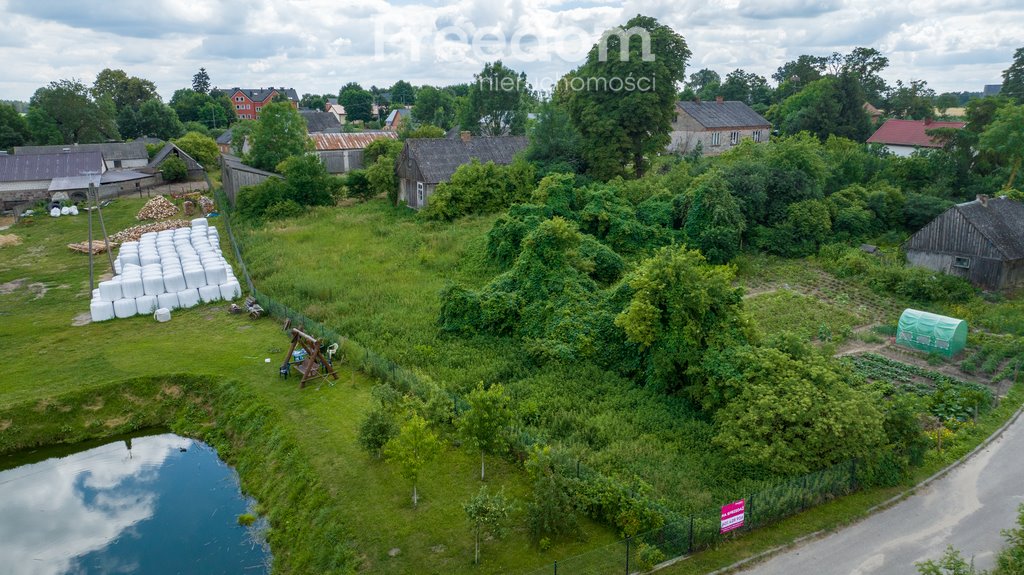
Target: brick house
(716, 126)
(248, 101)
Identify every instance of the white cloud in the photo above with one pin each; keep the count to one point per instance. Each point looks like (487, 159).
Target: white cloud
(318, 45)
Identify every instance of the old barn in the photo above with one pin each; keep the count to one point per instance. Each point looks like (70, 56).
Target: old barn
(982, 241)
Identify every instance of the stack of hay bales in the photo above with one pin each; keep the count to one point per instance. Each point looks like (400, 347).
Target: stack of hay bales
(169, 269)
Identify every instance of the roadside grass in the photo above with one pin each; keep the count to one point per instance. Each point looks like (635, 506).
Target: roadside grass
(104, 367)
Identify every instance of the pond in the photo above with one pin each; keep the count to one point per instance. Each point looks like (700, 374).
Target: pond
(154, 504)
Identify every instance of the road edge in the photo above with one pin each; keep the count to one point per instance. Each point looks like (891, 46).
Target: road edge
(867, 513)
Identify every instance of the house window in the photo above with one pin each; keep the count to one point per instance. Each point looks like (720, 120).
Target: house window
(716, 138)
(419, 193)
(238, 99)
(757, 136)
(959, 262)
(734, 138)
(117, 163)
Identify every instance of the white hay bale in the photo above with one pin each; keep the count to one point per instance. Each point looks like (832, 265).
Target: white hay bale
(216, 274)
(175, 281)
(162, 315)
(209, 293)
(199, 223)
(231, 290)
(153, 284)
(125, 307)
(101, 310)
(167, 300)
(109, 291)
(132, 287)
(195, 276)
(188, 298)
(145, 304)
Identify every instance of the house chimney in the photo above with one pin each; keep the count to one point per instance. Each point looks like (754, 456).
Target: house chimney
(983, 198)
(465, 136)
(719, 99)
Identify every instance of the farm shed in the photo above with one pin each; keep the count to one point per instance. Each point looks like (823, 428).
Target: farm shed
(931, 333)
(981, 241)
(237, 175)
(342, 153)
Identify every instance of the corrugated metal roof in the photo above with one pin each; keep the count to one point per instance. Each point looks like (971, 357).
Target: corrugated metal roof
(1001, 221)
(438, 158)
(117, 176)
(32, 167)
(910, 133)
(111, 150)
(725, 114)
(349, 140)
(73, 183)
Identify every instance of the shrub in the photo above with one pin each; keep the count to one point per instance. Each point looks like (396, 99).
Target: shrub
(282, 210)
(358, 185)
(174, 169)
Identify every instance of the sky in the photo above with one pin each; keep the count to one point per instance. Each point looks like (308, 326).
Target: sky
(316, 46)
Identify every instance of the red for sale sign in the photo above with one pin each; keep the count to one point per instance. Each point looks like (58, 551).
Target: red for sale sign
(732, 515)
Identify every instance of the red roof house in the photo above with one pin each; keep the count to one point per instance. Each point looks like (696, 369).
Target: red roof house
(903, 137)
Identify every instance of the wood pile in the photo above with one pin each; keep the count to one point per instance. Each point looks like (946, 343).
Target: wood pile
(133, 233)
(206, 203)
(157, 209)
(97, 246)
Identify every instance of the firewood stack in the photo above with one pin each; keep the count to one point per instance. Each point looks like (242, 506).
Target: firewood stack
(158, 208)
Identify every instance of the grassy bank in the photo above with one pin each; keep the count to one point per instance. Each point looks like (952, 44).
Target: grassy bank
(66, 383)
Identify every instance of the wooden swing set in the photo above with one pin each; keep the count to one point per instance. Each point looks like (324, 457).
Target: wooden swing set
(314, 364)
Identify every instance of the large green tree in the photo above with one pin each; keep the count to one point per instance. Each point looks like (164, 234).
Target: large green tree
(626, 102)
(1005, 136)
(497, 100)
(1013, 78)
(64, 112)
(434, 106)
(152, 118)
(402, 94)
(201, 82)
(488, 514)
(123, 90)
(714, 223)
(279, 133)
(681, 307)
(911, 101)
(746, 87)
(358, 103)
(202, 148)
(13, 128)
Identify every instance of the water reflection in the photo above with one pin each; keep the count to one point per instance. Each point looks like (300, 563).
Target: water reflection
(158, 504)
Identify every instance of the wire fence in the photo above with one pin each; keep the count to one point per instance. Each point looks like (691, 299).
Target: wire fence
(679, 536)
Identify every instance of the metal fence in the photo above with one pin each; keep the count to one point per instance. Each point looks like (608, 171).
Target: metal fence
(680, 536)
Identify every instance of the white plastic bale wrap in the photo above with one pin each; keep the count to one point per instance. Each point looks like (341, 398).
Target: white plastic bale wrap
(55, 213)
(110, 291)
(209, 293)
(162, 315)
(167, 300)
(153, 284)
(231, 290)
(188, 298)
(101, 310)
(199, 223)
(73, 210)
(125, 307)
(195, 277)
(65, 211)
(216, 274)
(149, 258)
(145, 304)
(132, 287)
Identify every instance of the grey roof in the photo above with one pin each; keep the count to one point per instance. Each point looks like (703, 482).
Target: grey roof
(261, 94)
(404, 113)
(225, 138)
(169, 149)
(111, 151)
(74, 183)
(1001, 221)
(32, 167)
(235, 163)
(117, 176)
(726, 114)
(438, 158)
(320, 122)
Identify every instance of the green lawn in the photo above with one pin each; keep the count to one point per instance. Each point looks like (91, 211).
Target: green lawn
(44, 356)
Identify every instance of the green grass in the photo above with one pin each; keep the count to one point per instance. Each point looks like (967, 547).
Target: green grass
(45, 359)
(802, 315)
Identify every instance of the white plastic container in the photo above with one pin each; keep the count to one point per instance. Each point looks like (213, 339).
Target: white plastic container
(162, 315)
(188, 298)
(231, 290)
(101, 310)
(132, 287)
(110, 291)
(167, 300)
(125, 307)
(145, 304)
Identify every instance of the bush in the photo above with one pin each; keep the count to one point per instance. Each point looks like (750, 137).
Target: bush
(202, 148)
(282, 210)
(358, 185)
(174, 169)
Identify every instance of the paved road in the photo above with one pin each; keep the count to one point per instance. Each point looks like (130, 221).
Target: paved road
(967, 508)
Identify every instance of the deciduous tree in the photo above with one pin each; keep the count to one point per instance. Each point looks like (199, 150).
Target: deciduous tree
(203, 149)
(358, 103)
(65, 111)
(412, 449)
(1013, 78)
(488, 514)
(279, 133)
(497, 100)
(487, 420)
(13, 128)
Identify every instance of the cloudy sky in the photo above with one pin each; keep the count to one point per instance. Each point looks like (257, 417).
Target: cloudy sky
(319, 45)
